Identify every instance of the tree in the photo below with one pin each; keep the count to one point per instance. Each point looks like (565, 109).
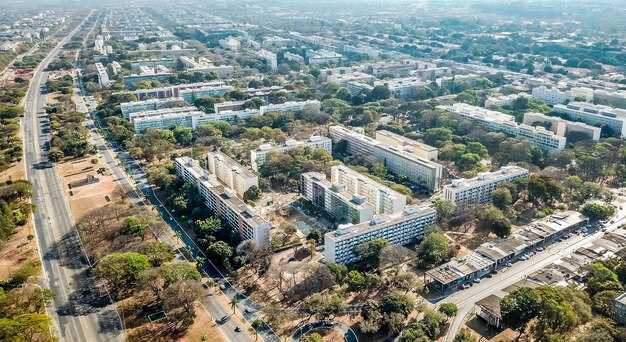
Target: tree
(370, 251)
(220, 250)
(468, 161)
(437, 136)
(160, 176)
(312, 337)
(121, 270)
(597, 212)
(464, 335)
(519, 307)
(233, 303)
(434, 249)
(182, 294)
(256, 325)
(445, 209)
(135, 226)
(253, 194)
(379, 169)
(380, 92)
(355, 280)
(151, 280)
(501, 198)
(183, 135)
(177, 271)
(448, 309)
(493, 219)
(324, 305)
(603, 302)
(157, 252)
(407, 282)
(600, 278)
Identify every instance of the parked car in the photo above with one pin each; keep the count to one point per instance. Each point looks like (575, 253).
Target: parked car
(488, 275)
(508, 264)
(540, 249)
(523, 258)
(222, 287)
(238, 329)
(476, 280)
(494, 271)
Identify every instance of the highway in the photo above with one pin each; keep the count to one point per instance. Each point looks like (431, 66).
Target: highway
(465, 299)
(83, 310)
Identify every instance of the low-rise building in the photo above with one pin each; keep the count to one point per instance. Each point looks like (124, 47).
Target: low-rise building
(323, 56)
(166, 118)
(212, 89)
(561, 127)
(269, 58)
(500, 122)
(258, 156)
(400, 228)
(474, 191)
(174, 91)
(552, 96)
(613, 119)
(231, 173)
(230, 43)
(423, 172)
(223, 202)
(293, 57)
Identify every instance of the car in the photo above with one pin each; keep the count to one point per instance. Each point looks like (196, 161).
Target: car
(247, 310)
(523, 258)
(238, 329)
(488, 275)
(612, 221)
(222, 287)
(494, 272)
(508, 264)
(476, 280)
(540, 249)
(328, 323)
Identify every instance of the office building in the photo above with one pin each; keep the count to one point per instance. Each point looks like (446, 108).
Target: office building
(356, 143)
(231, 173)
(417, 148)
(561, 127)
(223, 202)
(475, 191)
(613, 119)
(258, 156)
(385, 200)
(401, 228)
(291, 106)
(423, 172)
(103, 75)
(552, 96)
(500, 122)
(334, 199)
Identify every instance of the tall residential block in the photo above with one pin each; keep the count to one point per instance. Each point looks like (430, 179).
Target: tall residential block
(596, 115)
(230, 172)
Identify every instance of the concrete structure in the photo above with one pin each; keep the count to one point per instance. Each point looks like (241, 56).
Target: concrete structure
(116, 67)
(334, 199)
(103, 75)
(356, 143)
(344, 79)
(595, 115)
(258, 156)
(223, 202)
(612, 98)
(448, 81)
(230, 43)
(166, 117)
(159, 74)
(417, 148)
(293, 57)
(328, 72)
(552, 96)
(401, 162)
(148, 105)
(474, 191)
(402, 88)
(231, 173)
(504, 100)
(269, 58)
(385, 200)
(323, 56)
(175, 91)
(191, 95)
(291, 106)
(399, 229)
(561, 127)
(619, 309)
(205, 66)
(136, 66)
(500, 122)
(362, 50)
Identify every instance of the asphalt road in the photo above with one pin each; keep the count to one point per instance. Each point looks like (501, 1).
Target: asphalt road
(465, 299)
(82, 310)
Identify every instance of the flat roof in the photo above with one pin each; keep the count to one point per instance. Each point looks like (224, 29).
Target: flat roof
(459, 268)
(406, 141)
(231, 163)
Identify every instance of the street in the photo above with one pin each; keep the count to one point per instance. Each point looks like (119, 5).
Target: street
(82, 310)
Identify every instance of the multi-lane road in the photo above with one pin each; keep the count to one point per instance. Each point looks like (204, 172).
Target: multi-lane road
(465, 299)
(82, 310)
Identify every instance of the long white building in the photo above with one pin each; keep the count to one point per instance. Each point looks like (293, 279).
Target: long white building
(552, 96)
(500, 122)
(477, 190)
(418, 148)
(290, 106)
(259, 156)
(165, 118)
(562, 127)
(223, 202)
(595, 115)
(103, 75)
(151, 104)
(231, 173)
(402, 88)
(218, 87)
(400, 228)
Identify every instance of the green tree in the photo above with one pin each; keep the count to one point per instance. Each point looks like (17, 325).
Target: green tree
(121, 270)
(603, 302)
(135, 226)
(157, 252)
(220, 250)
(177, 271)
(233, 304)
(356, 281)
(468, 161)
(324, 305)
(448, 309)
(434, 249)
(379, 92)
(493, 219)
(464, 335)
(253, 194)
(256, 325)
(437, 136)
(183, 135)
(445, 209)
(312, 337)
(597, 212)
(379, 169)
(501, 198)
(519, 307)
(370, 251)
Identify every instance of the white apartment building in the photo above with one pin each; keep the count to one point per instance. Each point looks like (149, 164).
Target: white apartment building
(357, 143)
(344, 79)
(291, 106)
(191, 95)
(294, 58)
(500, 122)
(146, 105)
(420, 171)
(103, 75)
(477, 190)
(552, 96)
(327, 72)
(400, 228)
(116, 67)
(417, 148)
(384, 199)
(323, 56)
(372, 53)
(612, 98)
(269, 57)
(562, 127)
(343, 206)
(175, 91)
(230, 43)
(259, 156)
(223, 202)
(504, 100)
(595, 115)
(230, 172)
(402, 88)
(165, 118)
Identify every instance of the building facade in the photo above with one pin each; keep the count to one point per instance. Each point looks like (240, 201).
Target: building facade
(231, 173)
(258, 156)
(552, 96)
(596, 115)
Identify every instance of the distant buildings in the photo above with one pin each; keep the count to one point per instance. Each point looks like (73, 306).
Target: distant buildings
(504, 100)
(146, 73)
(292, 57)
(269, 58)
(552, 96)
(146, 105)
(619, 309)
(290, 106)
(103, 75)
(211, 89)
(206, 66)
(216, 87)
(474, 191)
(500, 122)
(166, 118)
(258, 156)
(402, 88)
(561, 127)
(323, 56)
(596, 115)
(602, 97)
(417, 148)
(230, 43)
(223, 202)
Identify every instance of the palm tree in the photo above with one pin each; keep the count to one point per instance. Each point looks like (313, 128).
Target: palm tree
(178, 235)
(233, 303)
(256, 325)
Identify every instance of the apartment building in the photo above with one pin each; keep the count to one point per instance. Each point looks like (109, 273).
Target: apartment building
(231, 173)
(328, 72)
(103, 75)
(293, 57)
(259, 156)
(400, 228)
(384, 199)
(216, 89)
(165, 118)
(269, 58)
(402, 88)
(420, 171)
(334, 199)
(323, 56)
(116, 67)
(417, 148)
(612, 98)
(474, 191)
(561, 127)
(552, 96)
(147, 105)
(230, 43)
(223, 202)
(596, 115)
(504, 100)
(356, 143)
(137, 65)
(174, 91)
(344, 79)
(159, 74)
(291, 106)
(500, 122)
